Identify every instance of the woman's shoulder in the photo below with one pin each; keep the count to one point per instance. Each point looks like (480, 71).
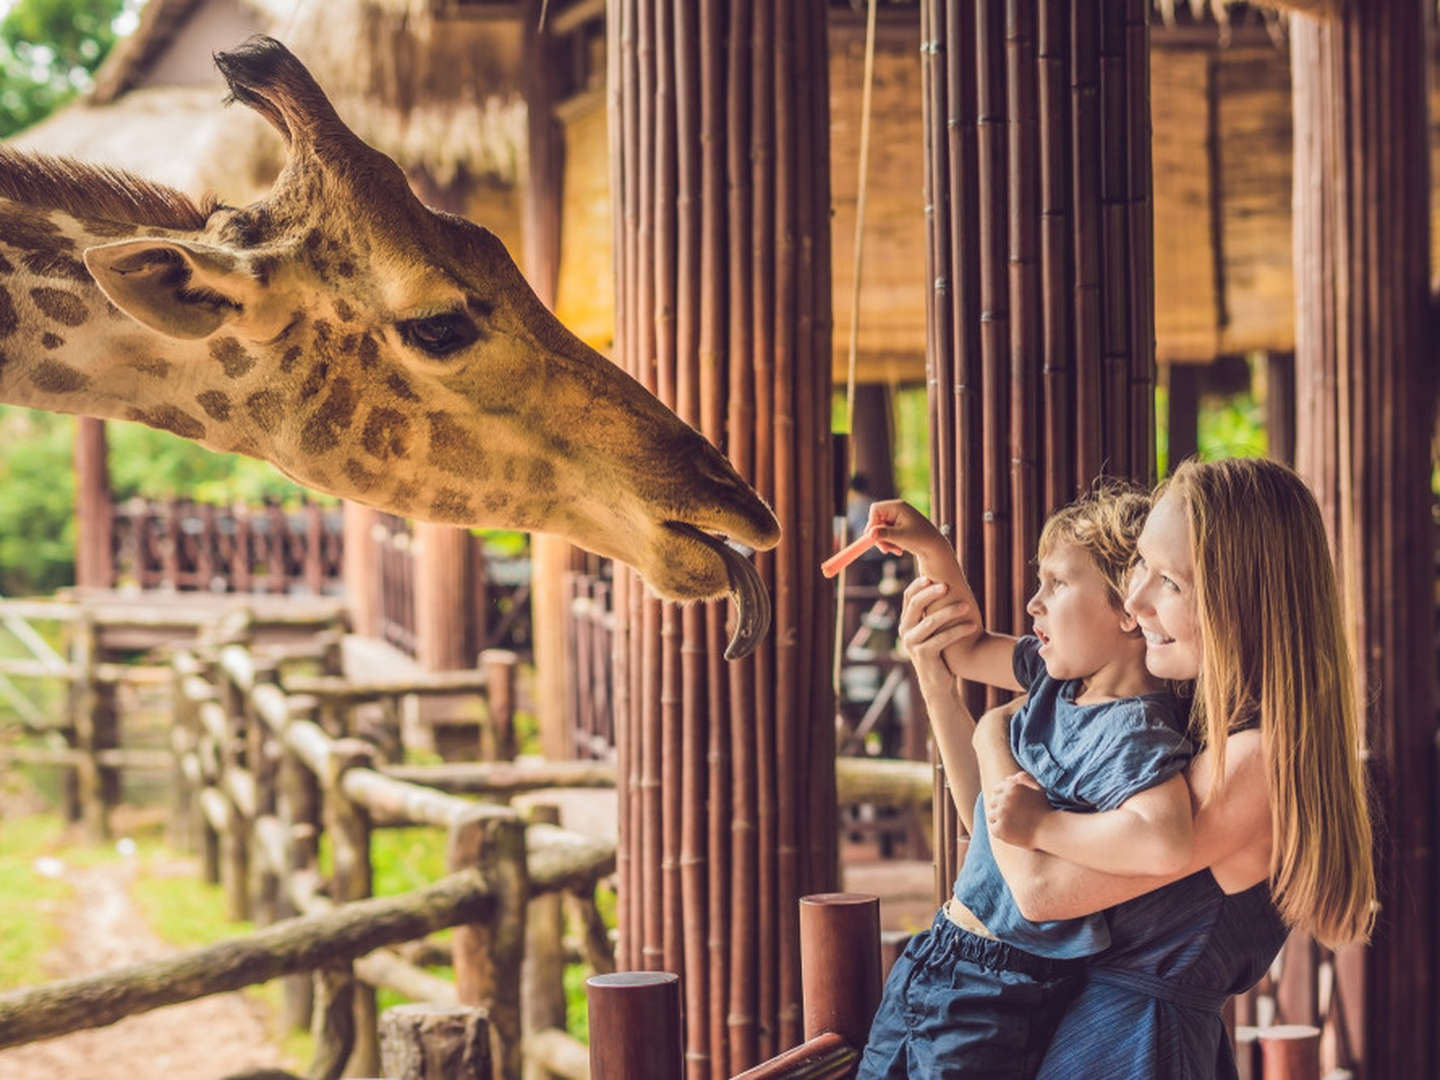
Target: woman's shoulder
(1233, 816)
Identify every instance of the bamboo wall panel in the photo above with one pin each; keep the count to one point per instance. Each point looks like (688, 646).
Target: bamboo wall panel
(1252, 95)
(717, 118)
(1364, 374)
(585, 296)
(1040, 346)
(1187, 313)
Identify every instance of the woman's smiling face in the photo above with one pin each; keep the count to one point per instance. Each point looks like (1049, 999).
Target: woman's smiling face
(1162, 593)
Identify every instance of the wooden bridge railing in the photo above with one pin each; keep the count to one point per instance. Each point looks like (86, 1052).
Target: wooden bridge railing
(179, 544)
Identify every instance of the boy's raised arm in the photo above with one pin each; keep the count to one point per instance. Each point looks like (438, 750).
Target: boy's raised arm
(980, 656)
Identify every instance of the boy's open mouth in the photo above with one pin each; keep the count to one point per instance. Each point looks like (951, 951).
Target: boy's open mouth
(1042, 635)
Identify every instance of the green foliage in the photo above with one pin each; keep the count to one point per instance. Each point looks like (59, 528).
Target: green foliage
(48, 51)
(26, 896)
(37, 488)
(37, 502)
(1232, 427)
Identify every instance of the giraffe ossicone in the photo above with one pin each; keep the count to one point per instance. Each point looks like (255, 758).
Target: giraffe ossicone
(366, 345)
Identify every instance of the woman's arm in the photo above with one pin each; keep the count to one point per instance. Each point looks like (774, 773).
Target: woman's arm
(1151, 832)
(1047, 887)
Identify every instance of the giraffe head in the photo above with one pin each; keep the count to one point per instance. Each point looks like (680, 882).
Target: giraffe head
(382, 351)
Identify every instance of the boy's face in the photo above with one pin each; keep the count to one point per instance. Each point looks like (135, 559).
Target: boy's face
(1080, 629)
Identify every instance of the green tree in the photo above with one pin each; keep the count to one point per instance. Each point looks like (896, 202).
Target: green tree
(49, 49)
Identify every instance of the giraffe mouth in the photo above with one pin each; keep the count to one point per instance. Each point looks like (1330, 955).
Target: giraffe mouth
(752, 599)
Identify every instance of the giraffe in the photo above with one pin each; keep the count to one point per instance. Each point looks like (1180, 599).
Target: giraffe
(364, 344)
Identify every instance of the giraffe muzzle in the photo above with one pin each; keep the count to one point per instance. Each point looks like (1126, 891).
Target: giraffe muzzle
(751, 598)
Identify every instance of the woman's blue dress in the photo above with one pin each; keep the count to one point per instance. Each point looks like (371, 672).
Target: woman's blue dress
(1150, 1007)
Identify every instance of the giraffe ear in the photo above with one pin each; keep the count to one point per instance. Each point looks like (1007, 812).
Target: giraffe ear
(178, 288)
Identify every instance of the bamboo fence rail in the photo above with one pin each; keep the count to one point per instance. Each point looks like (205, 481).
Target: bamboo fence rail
(1040, 347)
(720, 187)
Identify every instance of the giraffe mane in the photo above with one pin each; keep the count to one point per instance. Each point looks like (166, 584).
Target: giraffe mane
(97, 191)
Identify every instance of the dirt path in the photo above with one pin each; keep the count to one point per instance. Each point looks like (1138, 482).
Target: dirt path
(198, 1040)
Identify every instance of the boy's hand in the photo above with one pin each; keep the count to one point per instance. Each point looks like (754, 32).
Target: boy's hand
(898, 527)
(1015, 808)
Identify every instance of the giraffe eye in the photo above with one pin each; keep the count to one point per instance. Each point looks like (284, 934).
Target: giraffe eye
(439, 335)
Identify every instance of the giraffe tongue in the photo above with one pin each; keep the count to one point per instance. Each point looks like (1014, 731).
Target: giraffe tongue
(752, 600)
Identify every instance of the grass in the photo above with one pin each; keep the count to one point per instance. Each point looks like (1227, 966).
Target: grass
(25, 893)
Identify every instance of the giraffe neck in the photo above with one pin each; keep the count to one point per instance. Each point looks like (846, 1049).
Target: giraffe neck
(65, 348)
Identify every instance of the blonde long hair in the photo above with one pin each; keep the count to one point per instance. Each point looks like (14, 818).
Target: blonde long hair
(1275, 647)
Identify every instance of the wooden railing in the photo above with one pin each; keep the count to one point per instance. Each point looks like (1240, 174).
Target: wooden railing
(183, 545)
(266, 763)
(81, 726)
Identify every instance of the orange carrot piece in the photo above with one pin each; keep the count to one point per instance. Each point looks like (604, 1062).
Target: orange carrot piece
(848, 554)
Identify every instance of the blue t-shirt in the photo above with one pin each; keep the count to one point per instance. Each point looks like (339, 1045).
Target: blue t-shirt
(1087, 758)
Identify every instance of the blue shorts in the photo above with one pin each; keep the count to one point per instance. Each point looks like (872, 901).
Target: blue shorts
(960, 1005)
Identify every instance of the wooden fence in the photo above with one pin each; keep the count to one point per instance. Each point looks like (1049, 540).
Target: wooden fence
(183, 545)
(85, 731)
(265, 763)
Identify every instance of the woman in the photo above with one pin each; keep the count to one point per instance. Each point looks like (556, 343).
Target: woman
(1235, 590)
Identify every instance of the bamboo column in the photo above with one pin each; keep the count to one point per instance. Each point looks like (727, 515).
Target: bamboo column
(1364, 375)
(1040, 350)
(719, 177)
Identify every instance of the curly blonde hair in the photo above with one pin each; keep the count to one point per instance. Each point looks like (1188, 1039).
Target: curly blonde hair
(1105, 523)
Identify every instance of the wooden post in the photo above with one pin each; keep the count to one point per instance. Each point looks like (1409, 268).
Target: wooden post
(435, 1042)
(1280, 405)
(1289, 1052)
(333, 1027)
(299, 810)
(873, 439)
(543, 976)
(488, 956)
(840, 964)
(634, 1025)
(441, 619)
(1364, 370)
(349, 827)
(86, 719)
(1183, 420)
(361, 570)
(94, 567)
(499, 666)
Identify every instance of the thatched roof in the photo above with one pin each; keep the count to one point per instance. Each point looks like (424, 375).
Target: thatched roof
(439, 94)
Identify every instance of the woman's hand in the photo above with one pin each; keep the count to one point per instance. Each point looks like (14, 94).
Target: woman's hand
(1015, 808)
(930, 623)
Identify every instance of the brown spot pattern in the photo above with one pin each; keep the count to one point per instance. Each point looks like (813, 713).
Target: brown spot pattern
(345, 268)
(51, 341)
(6, 266)
(347, 344)
(494, 501)
(152, 365)
(169, 418)
(322, 431)
(266, 408)
(54, 377)
(315, 381)
(344, 312)
(369, 352)
(231, 356)
(384, 434)
(400, 387)
(114, 229)
(404, 496)
(215, 403)
(31, 230)
(451, 505)
(57, 264)
(452, 449)
(292, 354)
(541, 474)
(8, 320)
(64, 307)
(361, 477)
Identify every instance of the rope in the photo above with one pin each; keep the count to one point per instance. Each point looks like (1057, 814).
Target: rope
(862, 190)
